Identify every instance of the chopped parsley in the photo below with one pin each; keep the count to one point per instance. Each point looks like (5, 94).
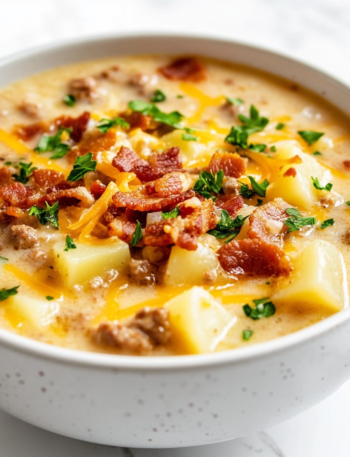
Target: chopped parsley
(48, 297)
(6, 293)
(209, 183)
(280, 126)
(259, 202)
(105, 124)
(189, 137)
(234, 101)
(8, 163)
(3, 258)
(273, 149)
(69, 244)
(254, 123)
(317, 153)
(327, 223)
(158, 96)
(263, 308)
(257, 147)
(296, 221)
(317, 185)
(137, 235)
(238, 136)
(48, 215)
(180, 96)
(54, 143)
(348, 202)
(24, 173)
(171, 214)
(69, 100)
(247, 334)
(227, 229)
(173, 119)
(259, 189)
(82, 165)
(310, 136)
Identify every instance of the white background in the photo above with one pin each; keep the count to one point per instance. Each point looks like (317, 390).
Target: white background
(316, 31)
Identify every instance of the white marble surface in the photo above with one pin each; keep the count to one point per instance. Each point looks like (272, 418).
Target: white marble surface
(316, 31)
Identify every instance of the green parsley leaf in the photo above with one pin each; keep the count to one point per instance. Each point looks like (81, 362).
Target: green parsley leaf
(318, 186)
(189, 137)
(25, 171)
(105, 124)
(209, 183)
(82, 165)
(259, 202)
(6, 293)
(69, 244)
(48, 215)
(238, 136)
(348, 202)
(180, 96)
(296, 221)
(3, 258)
(259, 189)
(327, 223)
(280, 126)
(69, 100)
(158, 96)
(273, 148)
(234, 101)
(247, 334)
(171, 214)
(48, 297)
(257, 147)
(137, 235)
(254, 123)
(310, 136)
(8, 163)
(263, 308)
(268, 283)
(152, 110)
(245, 191)
(227, 229)
(53, 143)
(317, 153)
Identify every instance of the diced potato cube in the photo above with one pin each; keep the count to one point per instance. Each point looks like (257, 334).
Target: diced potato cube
(38, 312)
(189, 267)
(198, 322)
(318, 279)
(192, 150)
(77, 266)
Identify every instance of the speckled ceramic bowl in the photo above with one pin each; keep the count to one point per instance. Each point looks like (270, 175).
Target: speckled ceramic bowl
(173, 401)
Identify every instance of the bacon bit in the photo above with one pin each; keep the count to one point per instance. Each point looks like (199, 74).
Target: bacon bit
(94, 142)
(259, 222)
(290, 172)
(167, 161)
(230, 204)
(27, 132)
(16, 195)
(254, 258)
(127, 160)
(185, 69)
(122, 228)
(6, 175)
(169, 184)
(78, 124)
(137, 200)
(232, 164)
(14, 212)
(46, 177)
(97, 189)
(296, 159)
(134, 216)
(78, 196)
(139, 121)
(346, 164)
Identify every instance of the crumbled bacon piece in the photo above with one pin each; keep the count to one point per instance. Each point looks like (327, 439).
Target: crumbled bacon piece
(165, 186)
(78, 196)
(78, 124)
(122, 228)
(16, 195)
(230, 204)
(141, 121)
(14, 212)
(185, 69)
(267, 222)
(27, 132)
(232, 164)
(253, 257)
(166, 161)
(127, 160)
(84, 89)
(46, 177)
(346, 164)
(97, 189)
(94, 142)
(290, 172)
(6, 177)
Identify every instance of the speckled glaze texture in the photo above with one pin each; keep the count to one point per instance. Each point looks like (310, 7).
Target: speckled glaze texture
(178, 401)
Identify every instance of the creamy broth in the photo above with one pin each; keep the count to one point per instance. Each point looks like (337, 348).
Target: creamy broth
(76, 308)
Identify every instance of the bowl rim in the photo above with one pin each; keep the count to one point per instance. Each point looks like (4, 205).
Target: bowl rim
(60, 354)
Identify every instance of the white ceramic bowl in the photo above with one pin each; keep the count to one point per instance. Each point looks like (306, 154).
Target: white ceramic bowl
(173, 401)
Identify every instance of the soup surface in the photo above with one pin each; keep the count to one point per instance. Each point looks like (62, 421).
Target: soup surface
(160, 206)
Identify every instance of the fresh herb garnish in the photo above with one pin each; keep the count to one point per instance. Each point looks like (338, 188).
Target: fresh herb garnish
(327, 223)
(24, 173)
(263, 308)
(48, 297)
(273, 148)
(137, 235)
(105, 124)
(189, 137)
(6, 293)
(209, 183)
(234, 101)
(158, 96)
(318, 186)
(69, 244)
(268, 283)
(317, 153)
(8, 163)
(348, 202)
(3, 258)
(280, 126)
(258, 147)
(296, 221)
(247, 334)
(171, 214)
(152, 110)
(254, 123)
(227, 229)
(259, 189)
(69, 100)
(180, 96)
(259, 202)
(48, 215)
(82, 165)
(310, 136)
(238, 136)
(54, 143)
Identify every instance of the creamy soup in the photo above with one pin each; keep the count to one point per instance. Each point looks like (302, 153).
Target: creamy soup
(161, 206)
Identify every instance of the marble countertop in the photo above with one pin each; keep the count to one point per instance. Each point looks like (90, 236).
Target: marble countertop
(316, 31)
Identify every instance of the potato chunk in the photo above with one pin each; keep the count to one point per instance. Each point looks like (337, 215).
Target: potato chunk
(198, 322)
(190, 150)
(38, 312)
(190, 267)
(319, 279)
(77, 266)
